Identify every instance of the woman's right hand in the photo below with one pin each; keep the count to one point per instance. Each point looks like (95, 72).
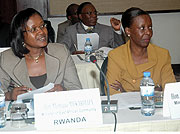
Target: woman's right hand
(117, 86)
(17, 91)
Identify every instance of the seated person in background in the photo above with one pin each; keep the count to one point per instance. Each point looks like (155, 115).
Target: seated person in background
(32, 63)
(72, 18)
(127, 63)
(51, 33)
(87, 14)
(4, 34)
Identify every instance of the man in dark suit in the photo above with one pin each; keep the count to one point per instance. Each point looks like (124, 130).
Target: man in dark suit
(88, 18)
(72, 18)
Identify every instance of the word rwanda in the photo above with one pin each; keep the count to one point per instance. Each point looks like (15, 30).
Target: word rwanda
(69, 120)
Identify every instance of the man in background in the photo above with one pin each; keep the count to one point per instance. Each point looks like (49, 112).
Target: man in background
(87, 14)
(72, 18)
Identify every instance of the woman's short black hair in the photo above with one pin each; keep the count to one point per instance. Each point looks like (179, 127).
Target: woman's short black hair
(17, 29)
(130, 14)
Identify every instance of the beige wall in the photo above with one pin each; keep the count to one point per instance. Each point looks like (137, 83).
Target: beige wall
(58, 7)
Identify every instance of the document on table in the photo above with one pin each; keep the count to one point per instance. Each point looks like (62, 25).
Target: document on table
(127, 99)
(106, 50)
(81, 39)
(29, 95)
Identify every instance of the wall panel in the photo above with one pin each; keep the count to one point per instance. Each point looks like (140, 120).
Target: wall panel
(58, 7)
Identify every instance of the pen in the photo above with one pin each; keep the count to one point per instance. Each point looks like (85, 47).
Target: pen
(10, 104)
(79, 57)
(29, 90)
(136, 108)
(75, 47)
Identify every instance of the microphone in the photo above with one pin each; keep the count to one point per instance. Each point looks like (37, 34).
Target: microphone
(108, 105)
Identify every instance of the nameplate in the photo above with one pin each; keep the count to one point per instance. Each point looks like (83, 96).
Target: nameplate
(68, 109)
(171, 104)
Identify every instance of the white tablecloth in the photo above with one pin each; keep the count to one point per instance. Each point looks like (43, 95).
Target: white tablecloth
(88, 73)
(127, 120)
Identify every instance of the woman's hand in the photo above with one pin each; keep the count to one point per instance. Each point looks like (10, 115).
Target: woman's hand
(158, 88)
(17, 91)
(117, 86)
(57, 87)
(115, 23)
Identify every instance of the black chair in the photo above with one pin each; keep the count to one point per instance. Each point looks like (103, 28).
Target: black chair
(176, 70)
(102, 80)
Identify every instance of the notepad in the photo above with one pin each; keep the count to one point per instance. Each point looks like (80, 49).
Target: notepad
(81, 39)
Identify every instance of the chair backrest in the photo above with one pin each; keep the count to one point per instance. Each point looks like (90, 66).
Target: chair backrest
(102, 80)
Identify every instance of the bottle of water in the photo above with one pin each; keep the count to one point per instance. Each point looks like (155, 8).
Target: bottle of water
(88, 49)
(147, 95)
(2, 109)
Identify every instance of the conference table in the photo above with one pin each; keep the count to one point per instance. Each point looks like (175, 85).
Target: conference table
(127, 120)
(88, 73)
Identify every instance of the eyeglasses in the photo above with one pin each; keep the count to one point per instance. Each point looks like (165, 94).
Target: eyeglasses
(74, 13)
(90, 13)
(35, 29)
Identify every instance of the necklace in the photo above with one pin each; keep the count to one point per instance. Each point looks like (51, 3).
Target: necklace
(36, 59)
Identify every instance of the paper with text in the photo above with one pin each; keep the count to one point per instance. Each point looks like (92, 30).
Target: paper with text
(68, 109)
(171, 104)
(81, 39)
(29, 95)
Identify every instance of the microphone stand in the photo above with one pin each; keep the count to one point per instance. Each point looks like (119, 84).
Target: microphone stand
(108, 105)
(108, 94)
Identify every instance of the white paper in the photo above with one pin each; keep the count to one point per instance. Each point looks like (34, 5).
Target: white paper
(81, 39)
(68, 109)
(127, 99)
(29, 95)
(106, 50)
(4, 48)
(171, 105)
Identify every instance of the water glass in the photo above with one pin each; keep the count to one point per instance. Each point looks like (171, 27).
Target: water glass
(158, 98)
(99, 54)
(18, 115)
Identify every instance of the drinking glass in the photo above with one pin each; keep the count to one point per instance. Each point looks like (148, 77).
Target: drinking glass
(18, 115)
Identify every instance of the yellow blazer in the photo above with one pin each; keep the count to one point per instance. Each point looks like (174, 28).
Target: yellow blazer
(121, 67)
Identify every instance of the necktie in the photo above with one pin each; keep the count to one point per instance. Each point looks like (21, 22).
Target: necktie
(89, 30)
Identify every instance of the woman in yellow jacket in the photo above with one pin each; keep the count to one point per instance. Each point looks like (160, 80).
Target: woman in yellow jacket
(127, 63)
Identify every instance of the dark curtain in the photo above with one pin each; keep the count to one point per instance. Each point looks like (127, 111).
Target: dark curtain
(8, 9)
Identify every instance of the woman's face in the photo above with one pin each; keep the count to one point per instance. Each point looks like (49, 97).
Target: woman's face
(140, 31)
(35, 35)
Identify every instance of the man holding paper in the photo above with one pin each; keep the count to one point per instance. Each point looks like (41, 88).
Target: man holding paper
(87, 14)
